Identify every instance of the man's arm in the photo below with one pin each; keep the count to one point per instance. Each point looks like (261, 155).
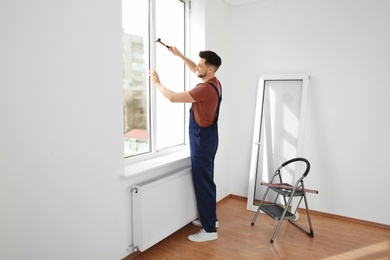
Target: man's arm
(175, 97)
(190, 64)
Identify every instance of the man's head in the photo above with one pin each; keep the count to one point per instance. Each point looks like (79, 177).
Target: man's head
(209, 63)
(211, 59)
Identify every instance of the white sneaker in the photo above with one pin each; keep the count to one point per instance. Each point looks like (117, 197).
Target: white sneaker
(203, 236)
(197, 223)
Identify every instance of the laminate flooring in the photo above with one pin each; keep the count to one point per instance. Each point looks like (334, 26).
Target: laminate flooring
(333, 238)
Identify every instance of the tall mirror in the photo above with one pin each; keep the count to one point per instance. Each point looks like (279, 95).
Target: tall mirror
(278, 129)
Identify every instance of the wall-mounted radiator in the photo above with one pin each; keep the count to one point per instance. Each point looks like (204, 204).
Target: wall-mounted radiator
(162, 206)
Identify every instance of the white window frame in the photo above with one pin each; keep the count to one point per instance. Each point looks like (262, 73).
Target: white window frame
(177, 155)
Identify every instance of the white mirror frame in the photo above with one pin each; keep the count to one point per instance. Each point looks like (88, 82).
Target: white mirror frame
(257, 127)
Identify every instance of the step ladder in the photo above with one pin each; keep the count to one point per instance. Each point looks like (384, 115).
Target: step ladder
(287, 191)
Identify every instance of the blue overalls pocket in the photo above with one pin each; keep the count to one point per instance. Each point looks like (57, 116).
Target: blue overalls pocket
(196, 133)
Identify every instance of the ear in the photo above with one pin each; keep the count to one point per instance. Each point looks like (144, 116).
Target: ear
(211, 69)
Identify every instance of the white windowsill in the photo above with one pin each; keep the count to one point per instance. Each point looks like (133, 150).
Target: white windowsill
(139, 168)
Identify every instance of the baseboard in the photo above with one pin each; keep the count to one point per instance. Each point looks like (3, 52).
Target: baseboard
(324, 214)
(348, 219)
(231, 196)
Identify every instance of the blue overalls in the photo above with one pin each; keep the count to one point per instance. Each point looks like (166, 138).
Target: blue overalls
(203, 147)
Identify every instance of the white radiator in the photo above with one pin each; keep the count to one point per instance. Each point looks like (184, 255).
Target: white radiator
(162, 206)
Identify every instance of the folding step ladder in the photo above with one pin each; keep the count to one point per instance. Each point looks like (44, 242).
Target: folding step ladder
(288, 192)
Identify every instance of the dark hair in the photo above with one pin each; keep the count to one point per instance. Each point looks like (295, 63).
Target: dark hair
(211, 58)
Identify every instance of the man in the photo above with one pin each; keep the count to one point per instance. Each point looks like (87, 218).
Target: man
(203, 134)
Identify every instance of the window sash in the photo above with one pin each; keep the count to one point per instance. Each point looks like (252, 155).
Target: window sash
(153, 125)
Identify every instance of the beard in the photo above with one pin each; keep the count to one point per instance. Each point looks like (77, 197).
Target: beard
(200, 75)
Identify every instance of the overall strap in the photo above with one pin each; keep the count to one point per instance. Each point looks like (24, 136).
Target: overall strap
(219, 100)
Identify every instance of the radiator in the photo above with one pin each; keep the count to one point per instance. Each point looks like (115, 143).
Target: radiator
(162, 206)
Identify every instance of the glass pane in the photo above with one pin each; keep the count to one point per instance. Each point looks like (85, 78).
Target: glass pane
(279, 131)
(170, 116)
(135, 77)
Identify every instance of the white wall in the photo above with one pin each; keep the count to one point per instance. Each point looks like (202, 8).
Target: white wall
(60, 138)
(344, 46)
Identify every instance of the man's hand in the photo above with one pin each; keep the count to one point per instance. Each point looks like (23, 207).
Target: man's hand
(182, 97)
(154, 77)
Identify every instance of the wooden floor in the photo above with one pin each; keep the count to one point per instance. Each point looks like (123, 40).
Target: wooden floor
(333, 239)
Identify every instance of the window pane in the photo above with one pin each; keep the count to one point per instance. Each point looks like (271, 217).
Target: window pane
(135, 77)
(170, 124)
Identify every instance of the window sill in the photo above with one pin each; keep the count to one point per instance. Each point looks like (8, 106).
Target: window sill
(161, 164)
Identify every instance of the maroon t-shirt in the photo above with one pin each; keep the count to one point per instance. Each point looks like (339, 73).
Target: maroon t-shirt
(206, 102)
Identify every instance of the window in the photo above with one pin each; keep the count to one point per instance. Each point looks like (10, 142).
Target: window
(151, 123)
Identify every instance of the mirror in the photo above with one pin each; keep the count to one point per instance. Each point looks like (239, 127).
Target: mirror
(278, 129)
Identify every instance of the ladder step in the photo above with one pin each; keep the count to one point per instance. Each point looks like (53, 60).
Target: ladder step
(276, 212)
